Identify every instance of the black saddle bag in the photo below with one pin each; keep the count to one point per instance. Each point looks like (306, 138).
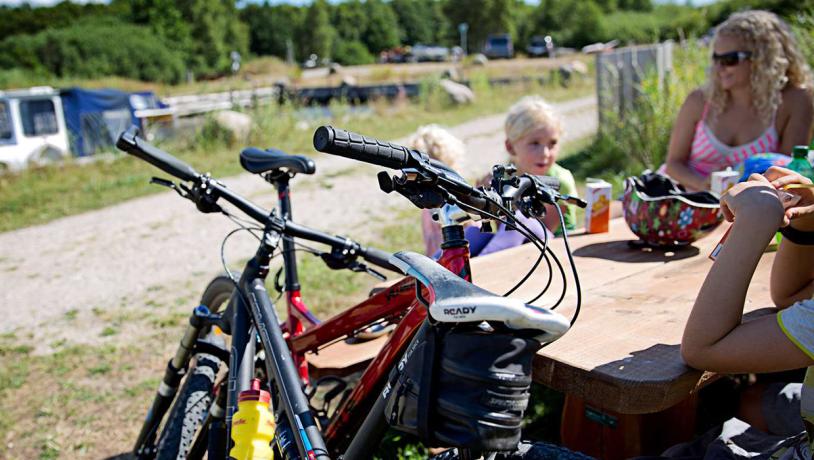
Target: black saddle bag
(463, 387)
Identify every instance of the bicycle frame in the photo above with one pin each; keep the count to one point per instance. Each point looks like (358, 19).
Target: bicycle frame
(396, 300)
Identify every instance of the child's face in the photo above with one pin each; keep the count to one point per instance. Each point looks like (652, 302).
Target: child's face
(535, 152)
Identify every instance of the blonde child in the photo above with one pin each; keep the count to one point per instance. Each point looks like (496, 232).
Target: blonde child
(440, 145)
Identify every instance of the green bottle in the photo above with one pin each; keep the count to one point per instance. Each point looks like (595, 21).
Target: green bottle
(799, 162)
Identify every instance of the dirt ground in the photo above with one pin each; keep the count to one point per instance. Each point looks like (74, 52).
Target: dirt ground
(60, 276)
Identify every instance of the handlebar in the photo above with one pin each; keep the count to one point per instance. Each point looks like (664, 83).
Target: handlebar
(206, 188)
(328, 139)
(429, 183)
(138, 147)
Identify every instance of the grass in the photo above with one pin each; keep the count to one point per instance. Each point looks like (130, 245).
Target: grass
(39, 195)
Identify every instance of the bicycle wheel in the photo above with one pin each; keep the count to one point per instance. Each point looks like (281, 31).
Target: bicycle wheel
(195, 395)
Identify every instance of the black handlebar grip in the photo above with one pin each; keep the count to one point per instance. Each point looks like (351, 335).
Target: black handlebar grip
(136, 146)
(379, 258)
(328, 139)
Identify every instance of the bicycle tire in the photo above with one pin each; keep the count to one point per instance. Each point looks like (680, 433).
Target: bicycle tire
(194, 397)
(527, 451)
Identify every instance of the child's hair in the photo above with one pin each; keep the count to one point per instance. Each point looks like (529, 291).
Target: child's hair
(439, 144)
(528, 114)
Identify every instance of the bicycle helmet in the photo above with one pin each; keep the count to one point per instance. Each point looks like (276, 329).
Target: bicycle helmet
(660, 212)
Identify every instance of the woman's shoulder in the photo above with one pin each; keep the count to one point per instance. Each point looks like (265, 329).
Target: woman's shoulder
(696, 100)
(794, 98)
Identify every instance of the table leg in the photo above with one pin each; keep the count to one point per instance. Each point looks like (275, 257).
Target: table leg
(610, 435)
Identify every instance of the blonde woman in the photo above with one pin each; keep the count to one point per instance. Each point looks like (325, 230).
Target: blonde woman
(758, 99)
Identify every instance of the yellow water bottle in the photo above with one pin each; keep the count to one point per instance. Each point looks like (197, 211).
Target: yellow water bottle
(252, 425)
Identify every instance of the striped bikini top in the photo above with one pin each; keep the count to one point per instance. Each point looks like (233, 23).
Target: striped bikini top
(708, 154)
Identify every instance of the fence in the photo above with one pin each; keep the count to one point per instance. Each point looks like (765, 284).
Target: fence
(620, 72)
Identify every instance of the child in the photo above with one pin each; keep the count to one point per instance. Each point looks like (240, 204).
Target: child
(717, 339)
(533, 133)
(440, 145)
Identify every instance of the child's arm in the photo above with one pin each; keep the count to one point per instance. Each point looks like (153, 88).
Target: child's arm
(715, 339)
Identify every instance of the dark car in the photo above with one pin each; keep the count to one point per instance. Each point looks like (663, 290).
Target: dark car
(540, 46)
(499, 46)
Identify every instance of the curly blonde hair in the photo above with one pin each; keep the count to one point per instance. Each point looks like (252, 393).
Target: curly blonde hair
(528, 114)
(776, 61)
(439, 144)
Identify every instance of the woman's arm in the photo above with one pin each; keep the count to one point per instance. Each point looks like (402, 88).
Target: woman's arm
(798, 109)
(715, 338)
(681, 143)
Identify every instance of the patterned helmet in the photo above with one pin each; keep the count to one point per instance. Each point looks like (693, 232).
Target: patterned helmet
(661, 213)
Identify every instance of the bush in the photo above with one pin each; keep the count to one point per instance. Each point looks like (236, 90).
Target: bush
(639, 139)
(352, 52)
(94, 48)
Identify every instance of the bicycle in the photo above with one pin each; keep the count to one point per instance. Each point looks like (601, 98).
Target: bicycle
(356, 425)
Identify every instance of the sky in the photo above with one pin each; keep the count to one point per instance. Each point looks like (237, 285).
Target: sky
(295, 2)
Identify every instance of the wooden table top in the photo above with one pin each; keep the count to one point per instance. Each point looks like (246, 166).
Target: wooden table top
(623, 352)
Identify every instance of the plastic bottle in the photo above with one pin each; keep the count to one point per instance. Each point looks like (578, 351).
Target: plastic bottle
(252, 425)
(799, 162)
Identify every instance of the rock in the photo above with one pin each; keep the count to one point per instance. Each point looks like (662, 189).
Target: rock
(239, 125)
(459, 93)
(451, 74)
(348, 80)
(334, 68)
(479, 59)
(579, 67)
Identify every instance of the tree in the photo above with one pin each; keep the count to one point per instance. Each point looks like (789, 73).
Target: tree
(272, 27)
(206, 31)
(317, 34)
(349, 20)
(382, 31)
(421, 21)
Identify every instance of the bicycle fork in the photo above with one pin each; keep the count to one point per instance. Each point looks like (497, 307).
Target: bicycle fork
(200, 319)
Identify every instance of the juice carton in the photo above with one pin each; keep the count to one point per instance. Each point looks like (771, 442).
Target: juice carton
(721, 181)
(597, 213)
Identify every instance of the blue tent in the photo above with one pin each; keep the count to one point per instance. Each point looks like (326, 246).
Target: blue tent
(96, 117)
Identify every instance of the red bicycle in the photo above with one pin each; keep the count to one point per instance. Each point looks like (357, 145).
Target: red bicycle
(455, 371)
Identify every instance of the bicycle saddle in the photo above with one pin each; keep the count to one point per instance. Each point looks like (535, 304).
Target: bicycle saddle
(454, 300)
(259, 161)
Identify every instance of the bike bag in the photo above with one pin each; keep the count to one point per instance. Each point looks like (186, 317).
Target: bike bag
(463, 387)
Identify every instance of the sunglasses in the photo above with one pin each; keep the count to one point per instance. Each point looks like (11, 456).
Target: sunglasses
(732, 58)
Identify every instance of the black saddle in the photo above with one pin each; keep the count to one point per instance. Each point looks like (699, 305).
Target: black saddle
(258, 161)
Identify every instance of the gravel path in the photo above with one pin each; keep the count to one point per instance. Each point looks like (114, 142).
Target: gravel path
(113, 256)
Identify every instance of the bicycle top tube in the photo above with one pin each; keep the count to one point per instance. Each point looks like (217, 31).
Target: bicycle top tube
(454, 300)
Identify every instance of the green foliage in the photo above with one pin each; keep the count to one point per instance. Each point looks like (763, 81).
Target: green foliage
(93, 48)
(317, 34)
(205, 31)
(422, 21)
(382, 27)
(484, 17)
(26, 19)
(272, 27)
(352, 52)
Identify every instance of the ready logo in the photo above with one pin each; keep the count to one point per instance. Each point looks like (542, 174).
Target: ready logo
(460, 311)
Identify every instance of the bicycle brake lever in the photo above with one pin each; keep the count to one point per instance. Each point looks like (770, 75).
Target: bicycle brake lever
(360, 267)
(171, 185)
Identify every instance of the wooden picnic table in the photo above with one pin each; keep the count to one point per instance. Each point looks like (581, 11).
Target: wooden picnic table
(628, 390)
(621, 359)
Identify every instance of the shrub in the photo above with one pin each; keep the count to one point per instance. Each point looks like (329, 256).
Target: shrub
(639, 138)
(94, 48)
(352, 52)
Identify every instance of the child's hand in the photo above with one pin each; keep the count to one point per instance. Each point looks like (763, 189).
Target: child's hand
(753, 198)
(803, 211)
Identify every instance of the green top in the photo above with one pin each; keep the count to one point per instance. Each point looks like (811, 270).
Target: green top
(567, 187)
(799, 151)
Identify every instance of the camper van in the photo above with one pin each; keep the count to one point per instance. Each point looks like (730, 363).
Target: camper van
(41, 124)
(32, 127)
